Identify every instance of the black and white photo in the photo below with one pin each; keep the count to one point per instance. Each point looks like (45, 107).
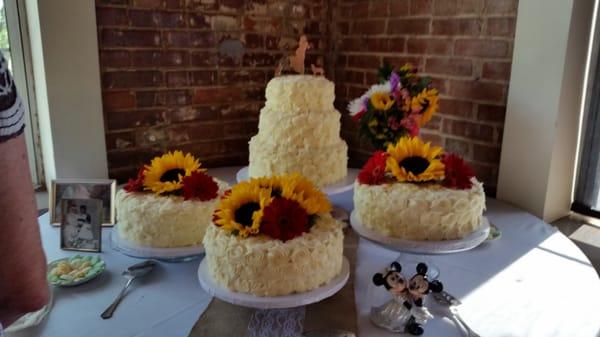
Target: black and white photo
(81, 225)
(103, 190)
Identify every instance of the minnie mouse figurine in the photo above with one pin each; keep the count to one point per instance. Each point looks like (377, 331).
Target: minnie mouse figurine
(405, 312)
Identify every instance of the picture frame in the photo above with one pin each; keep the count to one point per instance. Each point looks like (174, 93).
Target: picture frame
(103, 189)
(81, 225)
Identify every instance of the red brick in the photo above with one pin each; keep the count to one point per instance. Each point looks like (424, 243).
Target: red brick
(433, 138)
(126, 120)
(496, 70)
(203, 77)
(173, 4)
(480, 47)
(500, 6)
(486, 154)
(452, 7)
(177, 79)
(204, 59)
(148, 3)
(450, 66)
(456, 108)
(113, 100)
(379, 8)
(440, 83)
(114, 58)
(210, 95)
(492, 113)
(477, 90)
(119, 140)
(469, 130)
(158, 59)
(242, 76)
(500, 26)
(429, 46)
(254, 41)
(130, 38)
(399, 8)
(456, 27)
(111, 16)
(369, 27)
(128, 79)
(408, 26)
(198, 20)
(364, 61)
(488, 174)
(421, 7)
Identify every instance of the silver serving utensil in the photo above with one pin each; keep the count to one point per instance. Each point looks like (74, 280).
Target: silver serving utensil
(451, 302)
(131, 273)
(328, 333)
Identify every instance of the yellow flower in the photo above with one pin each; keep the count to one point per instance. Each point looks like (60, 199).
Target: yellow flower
(412, 160)
(426, 100)
(382, 101)
(240, 212)
(303, 191)
(165, 173)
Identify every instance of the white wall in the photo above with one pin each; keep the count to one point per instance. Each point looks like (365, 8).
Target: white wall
(540, 133)
(67, 84)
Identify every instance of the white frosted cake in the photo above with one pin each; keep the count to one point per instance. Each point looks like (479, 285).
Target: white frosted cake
(299, 131)
(274, 237)
(164, 221)
(170, 204)
(420, 212)
(413, 191)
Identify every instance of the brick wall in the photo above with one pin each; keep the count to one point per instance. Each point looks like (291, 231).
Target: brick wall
(191, 74)
(464, 45)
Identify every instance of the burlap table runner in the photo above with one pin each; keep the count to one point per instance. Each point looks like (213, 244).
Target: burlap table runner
(222, 319)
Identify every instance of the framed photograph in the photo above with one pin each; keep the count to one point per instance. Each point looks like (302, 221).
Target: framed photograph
(101, 189)
(81, 224)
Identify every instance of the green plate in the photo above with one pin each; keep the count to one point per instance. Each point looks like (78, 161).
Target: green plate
(97, 267)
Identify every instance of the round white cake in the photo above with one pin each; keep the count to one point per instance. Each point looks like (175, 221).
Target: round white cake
(299, 131)
(158, 221)
(262, 266)
(420, 211)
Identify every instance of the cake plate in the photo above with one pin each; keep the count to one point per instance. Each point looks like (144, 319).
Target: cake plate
(423, 247)
(183, 254)
(273, 302)
(341, 186)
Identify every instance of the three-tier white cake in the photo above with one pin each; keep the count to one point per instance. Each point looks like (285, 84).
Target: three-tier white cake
(299, 131)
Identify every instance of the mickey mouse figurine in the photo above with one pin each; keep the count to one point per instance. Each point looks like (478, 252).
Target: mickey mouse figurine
(405, 312)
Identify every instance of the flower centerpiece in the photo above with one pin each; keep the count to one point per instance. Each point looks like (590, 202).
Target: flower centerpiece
(175, 173)
(398, 106)
(411, 160)
(281, 207)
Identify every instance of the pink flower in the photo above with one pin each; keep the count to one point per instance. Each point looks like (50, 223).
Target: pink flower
(411, 124)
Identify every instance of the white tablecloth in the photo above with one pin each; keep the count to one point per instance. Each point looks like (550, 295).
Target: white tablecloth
(532, 282)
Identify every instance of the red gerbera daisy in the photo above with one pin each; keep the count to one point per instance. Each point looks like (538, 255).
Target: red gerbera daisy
(137, 184)
(458, 174)
(373, 173)
(200, 186)
(284, 219)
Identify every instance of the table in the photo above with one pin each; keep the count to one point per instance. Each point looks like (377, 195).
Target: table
(532, 282)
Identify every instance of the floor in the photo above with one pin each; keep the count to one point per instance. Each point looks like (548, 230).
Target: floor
(585, 233)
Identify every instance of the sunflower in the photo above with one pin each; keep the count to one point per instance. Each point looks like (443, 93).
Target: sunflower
(426, 104)
(412, 160)
(165, 173)
(297, 188)
(240, 212)
(382, 101)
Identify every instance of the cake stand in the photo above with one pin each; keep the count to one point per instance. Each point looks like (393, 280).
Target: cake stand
(423, 247)
(182, 254)
(339, 187)
(273, 302)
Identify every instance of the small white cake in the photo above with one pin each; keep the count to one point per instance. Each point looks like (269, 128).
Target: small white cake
(420, 211)
(164, 221)
(299, 131)
(262, 266)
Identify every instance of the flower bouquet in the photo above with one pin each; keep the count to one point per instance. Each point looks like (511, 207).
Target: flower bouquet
(398, 106)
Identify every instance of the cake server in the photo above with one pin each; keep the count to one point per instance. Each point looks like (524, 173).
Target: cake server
(131, 273)
(451, 302)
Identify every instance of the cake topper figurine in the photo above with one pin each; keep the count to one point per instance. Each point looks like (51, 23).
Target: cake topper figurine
(295, 62)
(405, 311)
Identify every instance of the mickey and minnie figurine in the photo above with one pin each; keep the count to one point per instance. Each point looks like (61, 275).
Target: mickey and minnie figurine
(405, 312)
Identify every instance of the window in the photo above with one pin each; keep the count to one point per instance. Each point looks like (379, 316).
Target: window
(14, 44)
